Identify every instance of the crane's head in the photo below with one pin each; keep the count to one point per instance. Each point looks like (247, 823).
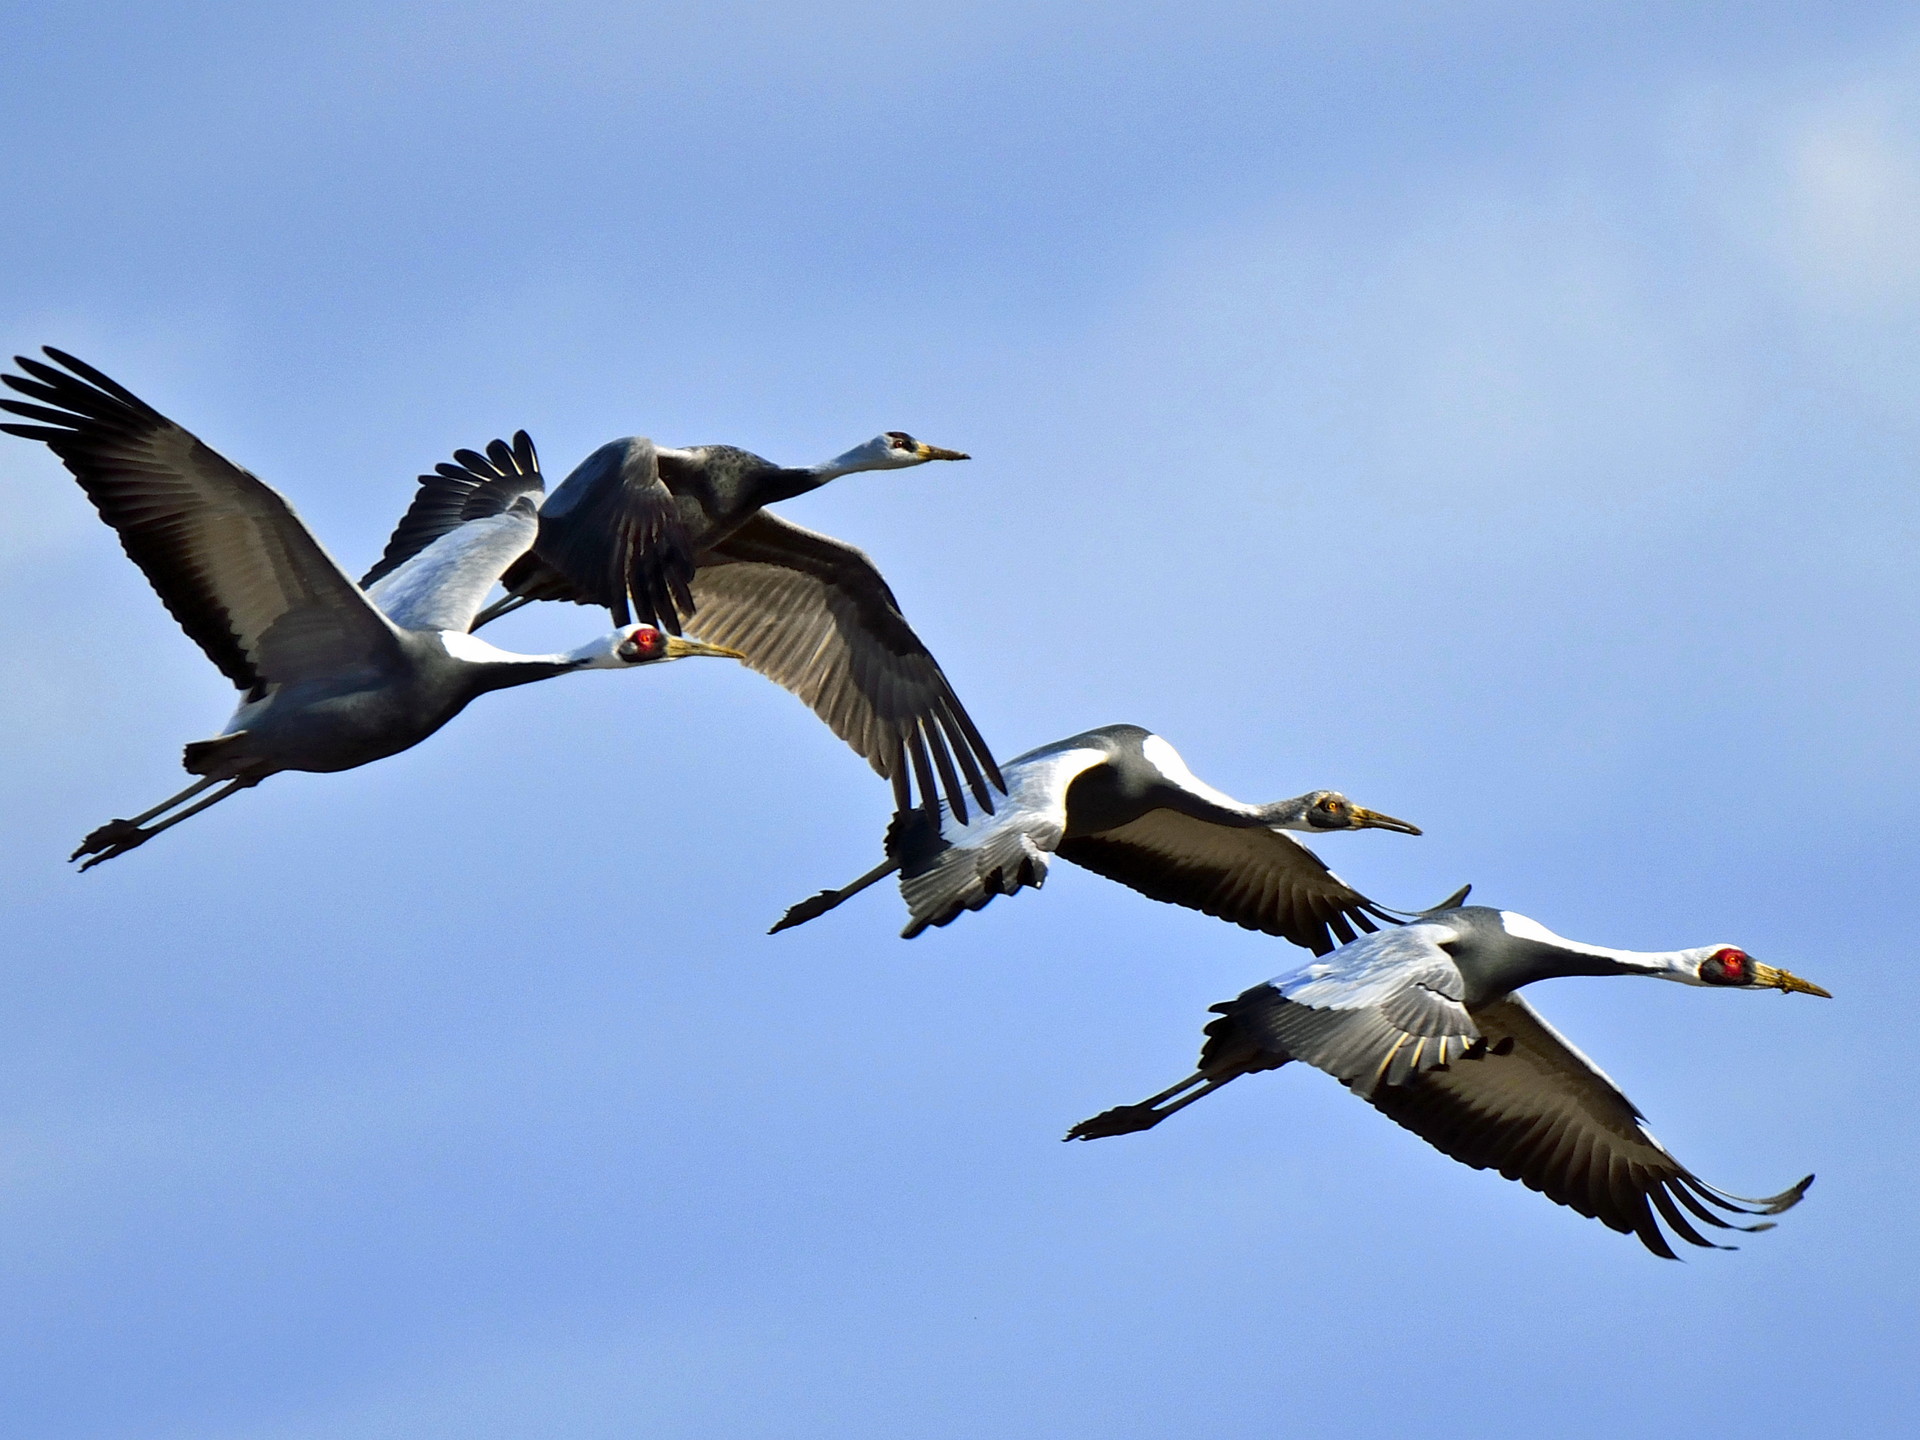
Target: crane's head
(1330, 810)
(895, 450)
(1728, 965)
(633, 645)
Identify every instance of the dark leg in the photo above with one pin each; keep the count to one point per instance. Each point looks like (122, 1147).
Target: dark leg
(506, 605)
(817, 905)
(116, 837)
(1125, 1119)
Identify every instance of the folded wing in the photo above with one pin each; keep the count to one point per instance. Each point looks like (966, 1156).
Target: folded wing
(611, 534)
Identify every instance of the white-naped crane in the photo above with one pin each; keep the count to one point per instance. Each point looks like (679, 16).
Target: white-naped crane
(672, 536)
(332, 675)
(1424, 1023)
(1120, 801)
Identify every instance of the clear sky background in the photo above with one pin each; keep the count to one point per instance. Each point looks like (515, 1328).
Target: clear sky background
(1512, 419)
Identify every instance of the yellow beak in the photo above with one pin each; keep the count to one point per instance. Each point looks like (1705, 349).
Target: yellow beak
(934, 452)
(1374, 820)
(678, 649)
(1784, 981)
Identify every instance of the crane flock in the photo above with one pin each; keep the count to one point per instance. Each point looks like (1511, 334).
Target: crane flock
(1418, 1012)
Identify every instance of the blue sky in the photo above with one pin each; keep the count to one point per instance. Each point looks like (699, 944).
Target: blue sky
(1507, 418)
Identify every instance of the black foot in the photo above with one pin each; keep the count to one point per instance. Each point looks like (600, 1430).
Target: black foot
(1121, 1120)
(812, 908)
(116, 837)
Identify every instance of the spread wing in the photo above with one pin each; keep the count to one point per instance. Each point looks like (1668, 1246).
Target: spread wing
(468, 522)
(814, 616)
(1260, 878)
(471, 487)
(612, 535)
(225, 553)
(1534, 1108)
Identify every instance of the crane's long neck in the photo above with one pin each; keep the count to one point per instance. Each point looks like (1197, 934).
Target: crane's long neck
(1178, 788)
(1524, 951)
(488, 667)
(783, 484)
(772, 486)
(1287, 814)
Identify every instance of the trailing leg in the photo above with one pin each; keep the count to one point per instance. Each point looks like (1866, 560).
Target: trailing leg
(814, 906)
(1125, 1119)
(116, 837)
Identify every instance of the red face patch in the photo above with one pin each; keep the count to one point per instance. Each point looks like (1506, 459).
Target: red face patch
(647, 640)
(1727, 967)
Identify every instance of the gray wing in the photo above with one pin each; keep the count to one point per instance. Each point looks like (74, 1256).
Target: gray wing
(611, 535)
(225, 553)
(1383, 1009)
(814, 616)
(467, 524)
(1256, 877)
(1531, 1106)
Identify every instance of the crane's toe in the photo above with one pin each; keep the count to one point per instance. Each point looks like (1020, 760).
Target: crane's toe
(116, 837)
(1121, 1120)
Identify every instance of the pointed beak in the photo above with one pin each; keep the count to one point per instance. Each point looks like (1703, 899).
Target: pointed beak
(1782, 980)
(1374, 820)
(678, 649)
(934, 452)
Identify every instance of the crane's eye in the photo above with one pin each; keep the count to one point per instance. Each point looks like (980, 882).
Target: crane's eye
(642, 644)
(1727, 967)
(1331, 806)
(900, 440)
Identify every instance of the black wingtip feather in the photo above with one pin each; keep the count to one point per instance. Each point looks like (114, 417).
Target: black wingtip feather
(104, 382)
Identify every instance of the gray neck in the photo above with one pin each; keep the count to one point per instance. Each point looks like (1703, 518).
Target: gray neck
(488, 667)
(1287, 814)
(775, 483)
(1500, 951)
(522, 670)
(861, 457)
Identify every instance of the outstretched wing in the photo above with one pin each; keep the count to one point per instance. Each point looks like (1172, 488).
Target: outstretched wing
(468, 523)
(814, 616)
(1254, 876)
(472, 487)
(611, 535)
(1496, 1087)
(1531, 1106)
(224, 552)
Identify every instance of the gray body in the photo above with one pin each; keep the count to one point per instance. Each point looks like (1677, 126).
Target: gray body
(633, 512)
(333, 674)
(1121, 802)
(1425, 1023)
(683, 536)
(341, 722)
